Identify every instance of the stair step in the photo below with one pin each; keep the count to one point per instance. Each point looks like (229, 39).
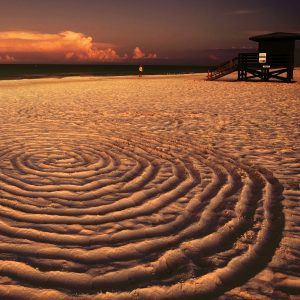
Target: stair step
(214, 75)
(224, 69)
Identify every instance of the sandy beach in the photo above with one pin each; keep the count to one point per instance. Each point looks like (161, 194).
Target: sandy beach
(161, 187)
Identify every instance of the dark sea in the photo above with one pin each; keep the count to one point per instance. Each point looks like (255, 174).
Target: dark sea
(17, 71)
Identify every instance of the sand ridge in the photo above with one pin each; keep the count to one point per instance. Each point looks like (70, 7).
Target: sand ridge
(154, 188)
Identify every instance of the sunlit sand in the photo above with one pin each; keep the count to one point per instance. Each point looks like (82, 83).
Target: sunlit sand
(161, 187)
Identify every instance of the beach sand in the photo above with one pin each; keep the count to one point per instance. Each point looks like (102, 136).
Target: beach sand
(161, 187)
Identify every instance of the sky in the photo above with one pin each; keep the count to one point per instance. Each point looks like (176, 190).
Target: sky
(133, 31)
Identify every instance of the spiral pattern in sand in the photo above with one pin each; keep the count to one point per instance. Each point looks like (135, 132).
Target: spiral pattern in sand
(117, 215)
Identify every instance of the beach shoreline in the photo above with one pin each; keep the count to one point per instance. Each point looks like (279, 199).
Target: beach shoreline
(202, 75)
(57, 71)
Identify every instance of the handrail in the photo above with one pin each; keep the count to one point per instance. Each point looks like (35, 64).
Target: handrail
(233, 60)
(223, 69)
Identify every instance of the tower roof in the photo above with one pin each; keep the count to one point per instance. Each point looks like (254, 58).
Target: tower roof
(276, 36)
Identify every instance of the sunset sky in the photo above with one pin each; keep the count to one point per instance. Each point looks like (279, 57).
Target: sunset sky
(127, 31)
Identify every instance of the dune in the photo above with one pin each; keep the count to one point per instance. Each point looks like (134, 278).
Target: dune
(161, 187)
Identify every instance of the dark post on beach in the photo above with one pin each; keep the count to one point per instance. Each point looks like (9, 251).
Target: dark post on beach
(141, 69)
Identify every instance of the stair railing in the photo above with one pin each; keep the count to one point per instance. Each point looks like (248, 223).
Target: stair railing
(224, 68)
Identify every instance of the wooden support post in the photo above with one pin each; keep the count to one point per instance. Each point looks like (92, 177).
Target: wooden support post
(289, 76)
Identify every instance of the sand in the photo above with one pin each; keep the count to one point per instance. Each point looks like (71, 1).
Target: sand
(161, 187)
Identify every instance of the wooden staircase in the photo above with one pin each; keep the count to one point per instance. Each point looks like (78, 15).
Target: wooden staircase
(224, 69)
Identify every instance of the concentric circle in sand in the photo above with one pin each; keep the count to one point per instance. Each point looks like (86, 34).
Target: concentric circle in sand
(121, 215)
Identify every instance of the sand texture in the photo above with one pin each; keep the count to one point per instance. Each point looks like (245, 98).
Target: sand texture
(154, 188)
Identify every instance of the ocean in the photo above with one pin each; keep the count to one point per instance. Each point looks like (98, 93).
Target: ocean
(16, 71)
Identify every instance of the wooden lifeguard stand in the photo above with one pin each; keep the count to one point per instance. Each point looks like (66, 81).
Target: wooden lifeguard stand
(275, 57)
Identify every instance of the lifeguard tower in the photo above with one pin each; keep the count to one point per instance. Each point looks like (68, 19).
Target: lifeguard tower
(274, 59)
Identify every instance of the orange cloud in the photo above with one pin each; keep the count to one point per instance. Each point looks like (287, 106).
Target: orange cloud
(7, 59)
(152, 55)
(65, 46)
(139, 54)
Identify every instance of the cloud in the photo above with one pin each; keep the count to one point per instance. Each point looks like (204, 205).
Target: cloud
(67, 46)
(152, 56)
(7, 59)
(213, 57)
(257, 32)
(243, 12)
(139, 54)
